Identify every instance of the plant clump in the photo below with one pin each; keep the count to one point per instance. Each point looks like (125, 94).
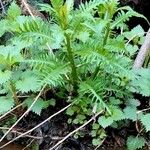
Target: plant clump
(87, 55)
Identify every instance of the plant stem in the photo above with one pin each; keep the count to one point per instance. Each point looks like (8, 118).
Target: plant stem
(147, 60)
(104, 43)
(106, 34)
(14, 93)
(72, 63)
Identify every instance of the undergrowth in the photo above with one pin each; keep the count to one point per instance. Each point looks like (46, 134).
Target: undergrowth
(87, 54)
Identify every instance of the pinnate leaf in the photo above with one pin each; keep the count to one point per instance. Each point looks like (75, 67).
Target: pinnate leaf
(13, 11)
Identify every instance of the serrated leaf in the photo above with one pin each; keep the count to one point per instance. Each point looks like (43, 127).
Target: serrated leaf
(57, 3)
(13, 11)
(6, 104)
(70, 111)
(81, 117)
(3, 26)
(93, 133)
(52, 102)
(117, 114)
(136, 31)
(133, 102)
(57, 37)
(4, 76)
(27, 85)
(145, 119)
(130, 113)
(105, 122)
(69, 4)
(134, 143)
(10, 54)
(132, 49)
(114, 101)
(28, 82)
(118, 46)
(141, 83)
(76, 121)
(38, 106)
(96, 142)
(83, 36)
(9, 51)
(95, 126)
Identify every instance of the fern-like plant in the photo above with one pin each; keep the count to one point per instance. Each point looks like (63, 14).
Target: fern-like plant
(84, 52)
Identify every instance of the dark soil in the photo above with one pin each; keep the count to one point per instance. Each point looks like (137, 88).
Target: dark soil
(55, 129)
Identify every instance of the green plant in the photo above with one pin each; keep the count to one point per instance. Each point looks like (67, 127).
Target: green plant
(85, 52)
(134, 143)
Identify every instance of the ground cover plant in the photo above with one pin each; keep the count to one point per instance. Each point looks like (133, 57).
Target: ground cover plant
(83, 56)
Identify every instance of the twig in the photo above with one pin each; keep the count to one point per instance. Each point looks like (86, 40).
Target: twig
(56, 138)
(22, 96)
(59, 147)
(14, 131)
(100, 144)
(25, 113)
(10, 111)
(2, 6)
(49, 118)
(143, 110)
(28, 144)
(134, 37)
(28, 9)
(71, 133)
(31, 10)
(50, 49)
(136, 126)
(144, 50)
